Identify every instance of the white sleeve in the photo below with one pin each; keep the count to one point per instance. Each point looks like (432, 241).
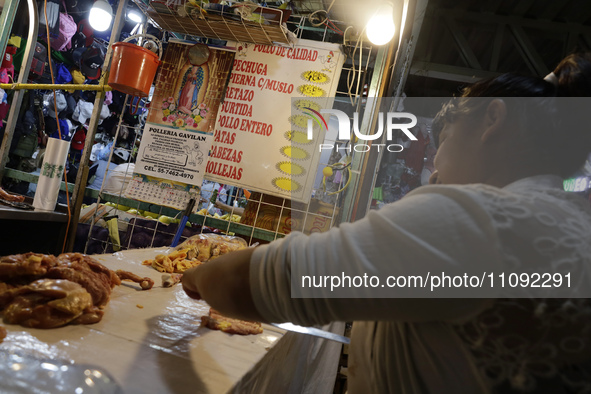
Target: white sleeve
(433, 231)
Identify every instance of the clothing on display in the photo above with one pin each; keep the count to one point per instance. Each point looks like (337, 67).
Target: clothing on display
(52, 10)
(95, 151)
(105, 113)
(7, 67)
(64, 129)
(78, 139)
(82, 112)
(61, 57)
(67, 28)
(78, 40)
(7, 61)
(69, 111)
(63, 75)
(91, 62)
(102, 166)
(77, 57)
(29, 122)
(15, 40)
(105, 151)
(4, 106)
(60, 99)
(39, 58)
(70, 126)
(88, 32)
(77, 77)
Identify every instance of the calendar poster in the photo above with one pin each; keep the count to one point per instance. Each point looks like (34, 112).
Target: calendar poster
(159, 191)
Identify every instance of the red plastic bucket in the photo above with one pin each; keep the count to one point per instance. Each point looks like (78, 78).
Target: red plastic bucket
(133, 69)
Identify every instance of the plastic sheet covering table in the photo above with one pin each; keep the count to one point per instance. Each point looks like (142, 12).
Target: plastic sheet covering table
(148, 341)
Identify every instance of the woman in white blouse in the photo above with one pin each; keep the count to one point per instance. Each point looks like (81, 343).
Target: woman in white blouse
(504, 148)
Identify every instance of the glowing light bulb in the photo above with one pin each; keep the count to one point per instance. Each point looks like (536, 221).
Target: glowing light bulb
(135, 16)
(380, 28)
(101, 15)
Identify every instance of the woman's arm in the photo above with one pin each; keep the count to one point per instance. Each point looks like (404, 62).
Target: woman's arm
(415, 235)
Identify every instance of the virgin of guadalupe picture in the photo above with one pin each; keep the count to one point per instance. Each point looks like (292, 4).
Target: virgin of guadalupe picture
(187, 95)
(191, 86)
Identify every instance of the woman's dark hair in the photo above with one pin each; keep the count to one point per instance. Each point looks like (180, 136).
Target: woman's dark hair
(554, 123)
(574, 75)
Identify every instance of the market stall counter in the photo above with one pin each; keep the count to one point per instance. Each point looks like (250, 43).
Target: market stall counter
(22, 227)
(148, 341)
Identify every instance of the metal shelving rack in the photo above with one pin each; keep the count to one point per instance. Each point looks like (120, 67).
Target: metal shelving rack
(221, 24)
(185, 27)
(389, 73)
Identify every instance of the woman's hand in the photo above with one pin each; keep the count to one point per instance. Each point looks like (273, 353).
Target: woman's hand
(189, 281)
(224, 283)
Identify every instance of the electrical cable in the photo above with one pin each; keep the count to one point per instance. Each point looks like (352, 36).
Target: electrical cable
(335, 27)
(338, 167)
(351, 70)
(330, 6)
(348, 54)
(59, 130)
(359, 72)
(356, 74)
(326, 21)
(351, 81)
(345, 35)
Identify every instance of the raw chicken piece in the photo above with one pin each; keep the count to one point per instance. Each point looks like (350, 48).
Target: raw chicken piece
(216, 321)
(145, 283)
(10, 197)
(3, 333)
(25, 265)
(97, 279)
(47, 303)
(45, 291)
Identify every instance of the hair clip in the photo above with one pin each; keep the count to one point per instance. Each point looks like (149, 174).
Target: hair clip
(552, 79)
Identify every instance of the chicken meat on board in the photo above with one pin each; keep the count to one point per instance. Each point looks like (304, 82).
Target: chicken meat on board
(49, 303)
(44, 291)
(4, 195)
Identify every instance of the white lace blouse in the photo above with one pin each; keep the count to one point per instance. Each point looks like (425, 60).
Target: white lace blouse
(402, 345)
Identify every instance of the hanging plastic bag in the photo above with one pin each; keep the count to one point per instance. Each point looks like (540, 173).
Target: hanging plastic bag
(104, 153)
(67, 29)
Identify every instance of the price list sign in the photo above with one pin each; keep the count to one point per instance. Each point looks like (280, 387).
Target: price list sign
(258, 144)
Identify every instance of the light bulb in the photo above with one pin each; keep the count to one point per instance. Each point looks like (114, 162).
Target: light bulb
(135, 16)
(380, 28)
(101, 15)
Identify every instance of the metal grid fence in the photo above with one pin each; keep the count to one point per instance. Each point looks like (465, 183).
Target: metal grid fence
(115, 222)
